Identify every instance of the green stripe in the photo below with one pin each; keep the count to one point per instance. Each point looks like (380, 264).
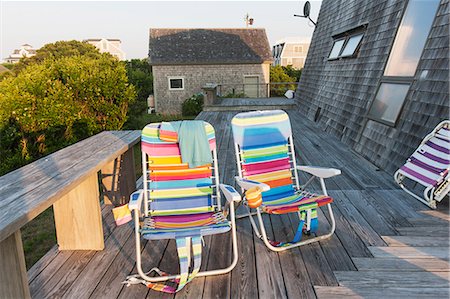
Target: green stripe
(274, 150)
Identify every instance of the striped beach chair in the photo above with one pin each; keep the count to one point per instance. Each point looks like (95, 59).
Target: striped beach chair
(429, 166)
(268, 174)
(179, 203)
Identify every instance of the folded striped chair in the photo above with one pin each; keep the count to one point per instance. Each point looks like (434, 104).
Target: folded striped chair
(179, 203)
(429, 166)
(266, 164)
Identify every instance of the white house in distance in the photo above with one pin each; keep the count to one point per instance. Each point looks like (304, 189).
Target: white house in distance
(290, 51)
(25, 50)
(109, 45)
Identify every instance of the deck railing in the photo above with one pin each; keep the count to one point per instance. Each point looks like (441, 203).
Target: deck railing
(69, 180)
(256, 90)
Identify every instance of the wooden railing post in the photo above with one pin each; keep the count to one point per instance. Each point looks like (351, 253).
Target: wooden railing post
(78, 218)
(118, 179)
(13, 272)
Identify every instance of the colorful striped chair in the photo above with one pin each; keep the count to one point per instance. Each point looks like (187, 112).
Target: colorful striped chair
(179, 203)
(266, 163)
(429, 166)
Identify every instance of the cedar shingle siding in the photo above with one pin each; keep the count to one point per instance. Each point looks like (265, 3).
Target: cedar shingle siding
(344, 89)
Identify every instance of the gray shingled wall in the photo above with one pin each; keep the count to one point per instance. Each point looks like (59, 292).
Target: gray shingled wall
(343, 89)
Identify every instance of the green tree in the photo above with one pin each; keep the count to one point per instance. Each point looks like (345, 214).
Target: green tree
(57, 101)
(58, 50)
(140, 75)
(278, 75)
(293, 72)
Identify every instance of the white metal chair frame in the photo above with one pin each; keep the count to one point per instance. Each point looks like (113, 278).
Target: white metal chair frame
(135, 205)
(317, 172)
(431, 194)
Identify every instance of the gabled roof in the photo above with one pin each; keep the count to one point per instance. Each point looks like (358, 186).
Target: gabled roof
(208, 46)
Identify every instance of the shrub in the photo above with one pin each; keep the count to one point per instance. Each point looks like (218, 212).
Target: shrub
(52, 103)
(193, 105)
(278, 74)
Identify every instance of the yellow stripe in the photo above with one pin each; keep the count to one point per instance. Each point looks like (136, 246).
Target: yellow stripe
(259, 120)
(275, 175)
(165, 160)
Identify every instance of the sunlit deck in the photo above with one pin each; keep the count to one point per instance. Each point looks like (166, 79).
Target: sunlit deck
(386, 243)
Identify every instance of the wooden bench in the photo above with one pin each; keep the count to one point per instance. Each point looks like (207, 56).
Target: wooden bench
(69, 180)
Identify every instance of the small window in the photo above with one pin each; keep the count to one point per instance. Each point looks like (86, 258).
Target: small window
(351, 45)
(298, 49)
(176, 83)
(337, 46)
(388, 102)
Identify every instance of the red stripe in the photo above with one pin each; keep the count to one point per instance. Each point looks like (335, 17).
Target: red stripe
(180, 177)
(266, 165)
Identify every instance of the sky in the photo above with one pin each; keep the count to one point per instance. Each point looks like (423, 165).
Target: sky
(38, 23)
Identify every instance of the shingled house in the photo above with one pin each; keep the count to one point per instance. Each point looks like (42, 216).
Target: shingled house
(185, 60)
(377, 75)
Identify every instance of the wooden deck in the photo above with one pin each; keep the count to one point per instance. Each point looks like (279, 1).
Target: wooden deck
(386, 244)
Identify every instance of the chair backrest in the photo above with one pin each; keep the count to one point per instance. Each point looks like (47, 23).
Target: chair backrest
(265, 151)
(430, 163)
(170, 186)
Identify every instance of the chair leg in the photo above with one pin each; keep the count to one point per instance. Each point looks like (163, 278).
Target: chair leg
(427, 200)
(301, 243)
(200, 274)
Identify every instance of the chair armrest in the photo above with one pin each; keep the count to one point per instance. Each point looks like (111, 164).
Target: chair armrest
(247, 184)
(321, 172)
(136, 200)
(230, 193)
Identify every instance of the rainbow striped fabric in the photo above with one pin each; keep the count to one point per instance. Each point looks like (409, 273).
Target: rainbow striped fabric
(263, 139)
(181, 199)
(183, 248)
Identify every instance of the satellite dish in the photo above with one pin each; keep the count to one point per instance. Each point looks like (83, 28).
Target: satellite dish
(306, 9)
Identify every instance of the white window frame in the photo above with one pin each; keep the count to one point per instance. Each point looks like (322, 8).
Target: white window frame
(175, 78)
(298, 49)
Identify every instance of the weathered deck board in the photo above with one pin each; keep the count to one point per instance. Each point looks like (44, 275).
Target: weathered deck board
(437, 231)
(376, 292)
(401, 264)
(411, 252)
(416, 241)
(384, 279)
(369, 211)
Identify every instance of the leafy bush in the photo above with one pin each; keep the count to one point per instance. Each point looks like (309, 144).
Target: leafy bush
(57, 101)
(58, 50)
(193, 105)
(278, 74)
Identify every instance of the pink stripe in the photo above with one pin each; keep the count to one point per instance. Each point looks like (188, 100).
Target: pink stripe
(180, 177)
(161, 149)
(267, 170)
(212, 143)
(265, 165)
(123, 220)
(182, 218)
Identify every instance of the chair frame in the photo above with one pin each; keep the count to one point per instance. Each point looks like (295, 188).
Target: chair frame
(429, 197)
(317, 172)
(136, 206)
